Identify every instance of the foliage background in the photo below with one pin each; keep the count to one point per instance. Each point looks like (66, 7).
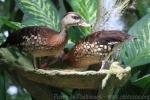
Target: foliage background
(15, 14)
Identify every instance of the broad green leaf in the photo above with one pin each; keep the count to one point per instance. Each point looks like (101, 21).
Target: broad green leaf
(43, 10)
(5, 21)
(143, 82)
(136, 53)
(34, 22)
(87, 9)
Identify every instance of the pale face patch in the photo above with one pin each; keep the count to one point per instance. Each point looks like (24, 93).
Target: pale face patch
(70, 19)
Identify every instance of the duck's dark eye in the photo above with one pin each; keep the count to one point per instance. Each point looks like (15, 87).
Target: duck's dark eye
(76, 17)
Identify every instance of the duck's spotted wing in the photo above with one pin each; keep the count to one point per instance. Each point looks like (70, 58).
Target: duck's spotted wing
(32, 37)
(95, 47)
(99, 43)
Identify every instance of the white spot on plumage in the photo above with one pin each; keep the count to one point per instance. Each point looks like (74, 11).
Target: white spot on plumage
(101, 46)
(92, 45)
(100, 54)
(109, 48)
(84, 46)
(32, 36)
(105, 46)
(78, 48)
(35, 37)
(96, 46)
(33, 42)
(84, 43)
(88, 47)
(39, 38)
(99, 49)
(95, 50)
(28, 39)
(95, 43)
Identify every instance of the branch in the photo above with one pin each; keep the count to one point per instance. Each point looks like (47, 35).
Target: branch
(104, 81)
(75, 79)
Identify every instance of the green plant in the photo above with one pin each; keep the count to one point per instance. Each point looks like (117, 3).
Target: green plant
(137, 53)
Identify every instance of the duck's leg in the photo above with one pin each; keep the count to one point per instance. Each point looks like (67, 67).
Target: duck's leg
(35, 63)
(48, 61)
(117, 54)
(108, 56)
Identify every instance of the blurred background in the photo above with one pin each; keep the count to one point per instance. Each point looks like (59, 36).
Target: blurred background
(15, 14)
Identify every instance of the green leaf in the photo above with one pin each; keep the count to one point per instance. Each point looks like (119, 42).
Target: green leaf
(43, 10)
(19, 25)
(75, 34)
(87, 9)
(11, 24)
(136, 53)
(5, 21)
(143, 82)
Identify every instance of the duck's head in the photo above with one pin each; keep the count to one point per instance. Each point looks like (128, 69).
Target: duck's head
(73, 19)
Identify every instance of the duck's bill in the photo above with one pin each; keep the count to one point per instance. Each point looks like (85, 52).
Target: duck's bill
(84, 24)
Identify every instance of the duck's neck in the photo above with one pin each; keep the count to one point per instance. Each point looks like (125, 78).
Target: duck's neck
(63, 30)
